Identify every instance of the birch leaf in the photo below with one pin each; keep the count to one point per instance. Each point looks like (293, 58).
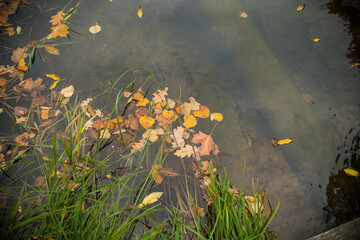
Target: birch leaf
(153, 197)
(140, 13)
(51, 49)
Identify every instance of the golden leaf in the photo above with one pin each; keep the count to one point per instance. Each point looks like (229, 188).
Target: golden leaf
(316, 39)
(301, 7)
(153, 197)
(142, 102)
(60, 30)
(68, 91)
(146, 121)
(216, 116)
(155, 173)
(168, 114)
(203, 112)
(140, 13)
(53, 85)
(189, 121)
(351, 172)
(284, 141)
(44, 114)
(355, 65)
(52, 76)
(51, 49)
(95, 29)
(22, 65)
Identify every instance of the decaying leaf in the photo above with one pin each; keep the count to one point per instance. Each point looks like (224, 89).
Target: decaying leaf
(131, 122)
(44, 114)
(153, 197)
(170, 103)
(155, 173)
(150, 134)
(206, 165)
(51, 49)
(18, 54)
(168, 172)
(194, 104)
(177, 137)
(68, 91)
(138, 146)
(95, 29)
(56, 19)
(203, 112)
(351, 172)
(207, 144)
(40, 181)
(105, 134)
(186, 151)
(160, 96)
(301, 7)
(20, 111)
(140, 13)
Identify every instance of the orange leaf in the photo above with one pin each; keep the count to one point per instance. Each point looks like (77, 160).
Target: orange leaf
(216, 116)
(206, 167)
(203, 112)
(207, 144)
(60, 30)
(155, 173)
(44, 114)
(142, 102)
(168, 114)
(137, 146)
(146, 121)
(56, 19)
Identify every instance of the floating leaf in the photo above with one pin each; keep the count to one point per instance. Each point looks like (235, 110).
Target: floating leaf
(155, 173)
(301, 7)
(186, 151)
(151, 134)
(153, 197)
(143, 102)
(54, 84)
(189, 121)
(60, 30)
(22, 65)
(140, 13)
(52, 76)
(95, 29)
(51, 49)
(243, 15)
(316, 39)
(168, 114)
(207, 144)
(284, 141)
(170, 103)
(351, 172)
(203, 112)
(68, 91)
(146, 121)
(56, 19)
(18, 30)
(159, 97)
(216, 116)
(177, 137)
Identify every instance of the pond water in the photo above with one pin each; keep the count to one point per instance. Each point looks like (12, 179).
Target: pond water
(264, 73)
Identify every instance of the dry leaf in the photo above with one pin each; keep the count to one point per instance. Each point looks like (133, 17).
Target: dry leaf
(150, 134)
(186, 151)
(56, 19)
(177, 137)
(351, 172)
(146, 122)
(95, 29)
(138, 146)
(189, 121)
(155, 173)
(153, 197)
(316, 39)
(206, 167)
(195, 105)
(301, 7)
(170, 103)
(243, 15)
(207, 144)
(140, 13)
(40, 181)
(216, 116)
(51, 49)
(20, 111)
(159, 97)
(203, 112)
(68, 91)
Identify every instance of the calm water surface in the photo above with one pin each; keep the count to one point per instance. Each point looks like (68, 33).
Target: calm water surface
(264, 73)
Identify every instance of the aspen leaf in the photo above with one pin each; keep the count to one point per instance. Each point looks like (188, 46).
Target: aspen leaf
(22, 65)
(95, 29)
(151, 198)
(143, 102)
(301, 7)
(155, 173)
(51, 49)
(189, 121)
(203, 112)
(146, 121)
(351, 172)
(216, 116)
(53, 85)
(284, 141)
(68, 91)
(168, 113)
(140, 12)
(316, 39)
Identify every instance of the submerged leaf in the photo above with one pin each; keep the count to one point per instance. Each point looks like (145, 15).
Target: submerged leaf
(155, 173)
(153, 197)
(51, 49)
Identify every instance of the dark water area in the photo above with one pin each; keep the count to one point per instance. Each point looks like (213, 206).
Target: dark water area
(264, 73)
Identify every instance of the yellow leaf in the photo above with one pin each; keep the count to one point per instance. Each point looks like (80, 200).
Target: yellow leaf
(168, 113)
(216, 116)
(284, 141)
(44, 114)
(54, 84)
(140, 13)
(316, 39)
(301, 7)
(146, 121)
(95, 29)
(203, 112)
(52, 76)
(60, 30)
(155, 173)
(351, 172)
(22, 65)
(355, 65)
(189, 121)
(51, 49)
(143, 102)
(153, 197)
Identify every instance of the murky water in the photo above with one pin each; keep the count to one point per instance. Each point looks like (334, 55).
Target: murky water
(264, 73)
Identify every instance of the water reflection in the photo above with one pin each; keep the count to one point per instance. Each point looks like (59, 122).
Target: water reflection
(349, 10)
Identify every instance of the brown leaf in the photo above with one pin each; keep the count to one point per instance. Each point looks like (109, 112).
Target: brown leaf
(22, 139)
(20, 111)
(39, 100)
(56, 19)
(155, 173)
(44, 114)
(100, 123)
(18, 54)
(160, 95)
(178, 140)
(137, 146)
(207, 144)
(40, 180)
(141, 112)
(168, 172)
(2, 81)
(132, 122)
